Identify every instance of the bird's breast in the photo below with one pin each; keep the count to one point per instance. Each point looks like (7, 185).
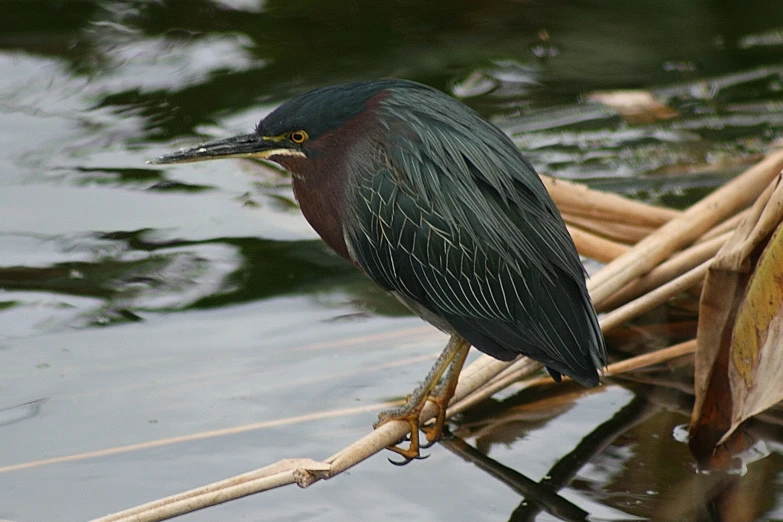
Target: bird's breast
(322, 200)
(322, 180)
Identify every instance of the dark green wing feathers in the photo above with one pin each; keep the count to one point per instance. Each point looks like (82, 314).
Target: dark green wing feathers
(464, 232)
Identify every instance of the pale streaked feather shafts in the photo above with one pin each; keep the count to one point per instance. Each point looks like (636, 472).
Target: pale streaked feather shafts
(450, 216)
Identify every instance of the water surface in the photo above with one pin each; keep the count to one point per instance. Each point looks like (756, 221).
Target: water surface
(140, 303)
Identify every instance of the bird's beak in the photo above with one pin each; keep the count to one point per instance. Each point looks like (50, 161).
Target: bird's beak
(245, 146)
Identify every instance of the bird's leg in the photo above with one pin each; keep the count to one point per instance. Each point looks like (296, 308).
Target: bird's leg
(444, 391)
(449, 362)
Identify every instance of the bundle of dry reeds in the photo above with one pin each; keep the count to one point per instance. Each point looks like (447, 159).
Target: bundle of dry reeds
(652, 254)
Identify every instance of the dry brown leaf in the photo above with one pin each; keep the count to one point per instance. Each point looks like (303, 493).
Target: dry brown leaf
(756, 365)
(634, 106)
(720, 409)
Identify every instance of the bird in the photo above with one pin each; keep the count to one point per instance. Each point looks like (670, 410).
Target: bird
(439, 207)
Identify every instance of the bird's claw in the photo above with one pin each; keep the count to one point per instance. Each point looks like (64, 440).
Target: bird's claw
(433, 437)
(412, 452)
(427, 445)
(406, 460)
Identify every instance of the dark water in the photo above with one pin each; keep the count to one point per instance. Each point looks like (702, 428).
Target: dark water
(140, 303)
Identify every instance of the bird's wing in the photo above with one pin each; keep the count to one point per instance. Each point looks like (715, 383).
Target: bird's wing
(456, 221)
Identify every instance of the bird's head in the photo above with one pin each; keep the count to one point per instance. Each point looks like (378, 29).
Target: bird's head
(292, 131)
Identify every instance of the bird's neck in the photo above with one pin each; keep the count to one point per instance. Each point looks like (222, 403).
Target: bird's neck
(319, 187)
(321, 181)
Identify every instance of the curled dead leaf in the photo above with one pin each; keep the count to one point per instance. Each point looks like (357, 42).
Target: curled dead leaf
(756, 366)
(739, 358)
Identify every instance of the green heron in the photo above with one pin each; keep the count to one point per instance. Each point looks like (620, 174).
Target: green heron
(439, 207)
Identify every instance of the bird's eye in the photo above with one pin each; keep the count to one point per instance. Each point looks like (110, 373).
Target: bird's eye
(299, 136)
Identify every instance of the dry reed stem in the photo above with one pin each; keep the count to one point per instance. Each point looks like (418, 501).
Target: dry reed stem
(727, 226)
(517, 370)
(652, 358)
(303, 472)
(268, 477)
(478, 373)
(673, 267)
(578, 200)
(633, 363)
(596, 247)
(654, 298)
(616, 231)
(192, 437)
(685, 229)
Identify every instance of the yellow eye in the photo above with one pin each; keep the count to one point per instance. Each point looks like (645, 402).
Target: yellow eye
(299, 136)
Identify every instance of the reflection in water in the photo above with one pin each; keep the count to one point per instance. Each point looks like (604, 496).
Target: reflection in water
(543, 495)
(20, 412)
(623, 462)
(208, 281)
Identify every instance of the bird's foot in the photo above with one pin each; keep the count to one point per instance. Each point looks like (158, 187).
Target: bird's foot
(411, 413)
(433, 432)
(448, 366)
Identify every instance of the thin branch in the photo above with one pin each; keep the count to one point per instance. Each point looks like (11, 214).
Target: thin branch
(296, 419)
(305, 472)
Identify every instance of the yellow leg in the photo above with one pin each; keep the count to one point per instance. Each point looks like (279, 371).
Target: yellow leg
(443, 393)
(448, 365)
